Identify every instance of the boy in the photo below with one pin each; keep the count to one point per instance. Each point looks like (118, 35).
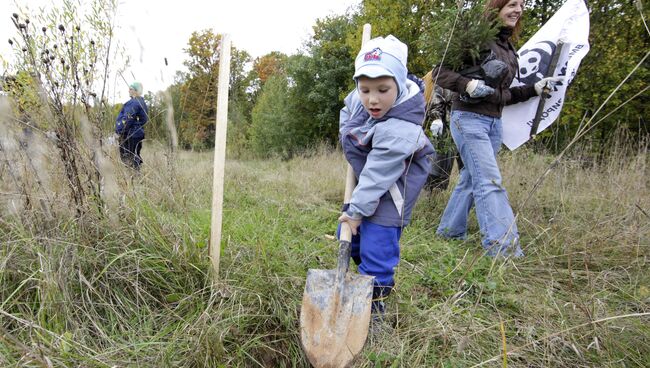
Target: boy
(382, 138)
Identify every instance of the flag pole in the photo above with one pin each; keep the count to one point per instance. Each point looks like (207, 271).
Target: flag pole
(219, 154)
(545, 90)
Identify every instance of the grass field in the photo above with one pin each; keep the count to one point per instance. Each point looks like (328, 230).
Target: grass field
(133, 288)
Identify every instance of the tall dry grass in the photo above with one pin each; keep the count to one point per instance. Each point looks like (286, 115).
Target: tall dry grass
(134, 289)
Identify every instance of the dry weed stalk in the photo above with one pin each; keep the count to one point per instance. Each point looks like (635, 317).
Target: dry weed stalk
(60, 63)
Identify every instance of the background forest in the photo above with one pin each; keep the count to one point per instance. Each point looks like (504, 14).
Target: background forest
(286, 104)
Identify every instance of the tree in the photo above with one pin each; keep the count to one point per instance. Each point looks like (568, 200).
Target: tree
(407, 20)
(269, 65)
(536, 14)
(240, 102)
(321, 80)
(155, 108)
(273, 130)
(457, 35)
(264, 67)
(618, 41)
(197, 89)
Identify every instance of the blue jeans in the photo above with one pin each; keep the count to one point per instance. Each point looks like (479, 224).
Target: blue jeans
(478, 138)
(375, 249)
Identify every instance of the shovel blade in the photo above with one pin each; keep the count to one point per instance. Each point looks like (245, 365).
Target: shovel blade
(334, 317)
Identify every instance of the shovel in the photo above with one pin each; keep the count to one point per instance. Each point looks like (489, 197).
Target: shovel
(335, 312)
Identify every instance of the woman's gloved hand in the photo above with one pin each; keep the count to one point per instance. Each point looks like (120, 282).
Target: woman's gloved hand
(549, 83)
(476, 88)
(436, 127)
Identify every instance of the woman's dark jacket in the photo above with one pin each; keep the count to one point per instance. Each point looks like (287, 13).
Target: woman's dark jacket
(492, 105)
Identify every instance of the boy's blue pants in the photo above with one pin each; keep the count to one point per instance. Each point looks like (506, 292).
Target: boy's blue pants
(375, 249)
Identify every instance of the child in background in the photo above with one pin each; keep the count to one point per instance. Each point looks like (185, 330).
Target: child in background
(129, 125)
(382, 138)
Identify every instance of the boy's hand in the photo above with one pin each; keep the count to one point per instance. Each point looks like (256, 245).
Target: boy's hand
(354, 224)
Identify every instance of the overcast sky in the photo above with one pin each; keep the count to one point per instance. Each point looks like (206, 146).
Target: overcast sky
(152, 30)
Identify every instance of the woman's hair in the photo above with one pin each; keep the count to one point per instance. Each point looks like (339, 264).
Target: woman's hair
(492, 9)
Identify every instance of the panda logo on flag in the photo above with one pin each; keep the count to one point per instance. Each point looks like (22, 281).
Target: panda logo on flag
(534, 62)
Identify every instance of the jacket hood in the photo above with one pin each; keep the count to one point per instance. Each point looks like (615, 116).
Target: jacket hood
(409, 107)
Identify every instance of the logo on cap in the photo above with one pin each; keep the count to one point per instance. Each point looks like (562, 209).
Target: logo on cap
(373, 55)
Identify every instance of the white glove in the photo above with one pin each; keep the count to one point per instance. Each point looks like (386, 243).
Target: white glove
(476, 88)
(549, 83)
(436, 127)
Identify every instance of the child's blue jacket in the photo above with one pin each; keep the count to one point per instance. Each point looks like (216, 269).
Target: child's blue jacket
(132, 118)
(383, 152)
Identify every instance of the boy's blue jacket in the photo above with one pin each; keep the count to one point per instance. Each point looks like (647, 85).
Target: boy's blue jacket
(391, 150)
(132, 118)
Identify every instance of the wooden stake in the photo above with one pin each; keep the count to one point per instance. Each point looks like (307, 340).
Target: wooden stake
(219, 153)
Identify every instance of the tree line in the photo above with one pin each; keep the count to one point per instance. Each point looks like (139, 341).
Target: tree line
(284, 104)
(288, 103)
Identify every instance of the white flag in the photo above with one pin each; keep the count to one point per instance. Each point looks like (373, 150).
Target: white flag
(570, 24)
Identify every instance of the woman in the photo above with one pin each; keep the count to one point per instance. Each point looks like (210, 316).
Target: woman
(481, 92)
(129, 125)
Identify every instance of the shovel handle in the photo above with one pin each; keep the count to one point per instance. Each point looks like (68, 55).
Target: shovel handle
(350, 183)
(343, 259)
(345, 235)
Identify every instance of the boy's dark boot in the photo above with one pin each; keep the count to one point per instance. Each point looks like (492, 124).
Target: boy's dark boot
(378, 308)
